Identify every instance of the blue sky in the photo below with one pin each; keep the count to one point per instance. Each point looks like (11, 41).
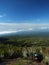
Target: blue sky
(18, 11)
(23, 11)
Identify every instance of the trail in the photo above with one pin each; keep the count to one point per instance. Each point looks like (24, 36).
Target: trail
(13, 61)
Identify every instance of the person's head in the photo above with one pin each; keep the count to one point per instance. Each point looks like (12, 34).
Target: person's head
(40, 57)
(46, 63)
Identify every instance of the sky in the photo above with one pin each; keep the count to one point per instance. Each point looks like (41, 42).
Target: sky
(17, 15)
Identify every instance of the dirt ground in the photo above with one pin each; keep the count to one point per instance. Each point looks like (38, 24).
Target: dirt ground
(23, 62)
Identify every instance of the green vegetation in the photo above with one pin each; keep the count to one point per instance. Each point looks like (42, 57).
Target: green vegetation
(12, 46)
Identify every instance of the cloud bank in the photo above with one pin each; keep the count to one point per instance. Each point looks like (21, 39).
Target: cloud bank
(17, 27)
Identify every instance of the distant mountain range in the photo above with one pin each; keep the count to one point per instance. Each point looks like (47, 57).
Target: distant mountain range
(27, 33)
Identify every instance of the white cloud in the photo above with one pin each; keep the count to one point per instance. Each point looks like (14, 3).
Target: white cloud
(6, 32)
(2, 15)
(17, 27)
(44, 28)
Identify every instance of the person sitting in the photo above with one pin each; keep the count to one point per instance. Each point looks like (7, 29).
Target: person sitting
(39, 57)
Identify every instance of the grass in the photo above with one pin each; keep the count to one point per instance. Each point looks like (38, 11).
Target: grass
(16, 63)
(21, 62)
